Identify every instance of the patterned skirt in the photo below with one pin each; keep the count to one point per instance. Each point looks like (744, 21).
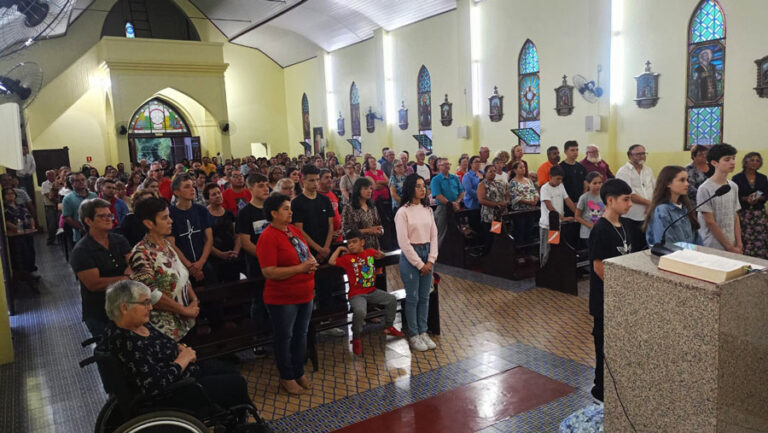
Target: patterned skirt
(754, 232)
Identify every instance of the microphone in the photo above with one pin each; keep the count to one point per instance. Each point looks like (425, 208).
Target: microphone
(660, 249)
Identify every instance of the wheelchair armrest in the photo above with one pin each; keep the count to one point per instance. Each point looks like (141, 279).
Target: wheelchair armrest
(194, 386)
(96, 339)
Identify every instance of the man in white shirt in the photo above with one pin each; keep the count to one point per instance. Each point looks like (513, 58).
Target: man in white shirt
(50, 190)
(27, 170)
(640, 178)
(421, 168)
(485, 153)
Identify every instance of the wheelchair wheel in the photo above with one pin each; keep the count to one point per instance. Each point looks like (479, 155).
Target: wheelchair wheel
(109, 417)
(166, 421)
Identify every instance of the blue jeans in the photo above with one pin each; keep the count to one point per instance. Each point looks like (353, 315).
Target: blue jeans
(416, 291)
(290, 323)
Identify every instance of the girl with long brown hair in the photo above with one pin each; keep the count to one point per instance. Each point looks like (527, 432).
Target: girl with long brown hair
(670, 202)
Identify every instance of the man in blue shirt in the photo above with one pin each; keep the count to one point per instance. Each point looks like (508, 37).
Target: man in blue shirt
(70, 206)
(447, 190)
(470, 182)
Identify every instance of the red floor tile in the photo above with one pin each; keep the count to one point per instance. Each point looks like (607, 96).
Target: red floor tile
(471, 407)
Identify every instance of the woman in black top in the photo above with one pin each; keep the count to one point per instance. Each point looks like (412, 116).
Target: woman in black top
(753, 191)
(225, 254)
(153, 361)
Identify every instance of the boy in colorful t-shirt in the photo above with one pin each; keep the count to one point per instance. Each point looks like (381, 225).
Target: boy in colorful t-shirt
(357, 262)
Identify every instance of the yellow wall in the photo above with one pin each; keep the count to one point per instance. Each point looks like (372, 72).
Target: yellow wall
(305, 77)
(662, 39)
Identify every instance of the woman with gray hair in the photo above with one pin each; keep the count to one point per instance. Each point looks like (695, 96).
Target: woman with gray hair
(153, 361)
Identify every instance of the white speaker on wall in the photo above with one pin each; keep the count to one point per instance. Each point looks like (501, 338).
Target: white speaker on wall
(462, 132)
(10, 145)
(592, 124)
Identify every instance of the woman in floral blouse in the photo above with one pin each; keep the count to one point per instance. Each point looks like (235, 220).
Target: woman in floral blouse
(523, 196)
(155, 264)
(361, 214)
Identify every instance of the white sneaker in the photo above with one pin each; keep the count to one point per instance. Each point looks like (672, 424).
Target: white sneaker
(427, 341)
(417, 344)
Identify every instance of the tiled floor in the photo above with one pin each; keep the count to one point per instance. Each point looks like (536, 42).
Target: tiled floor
(488, 325)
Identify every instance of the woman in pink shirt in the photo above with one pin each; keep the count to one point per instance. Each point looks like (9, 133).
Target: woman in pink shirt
(417, 236)
(380, 180)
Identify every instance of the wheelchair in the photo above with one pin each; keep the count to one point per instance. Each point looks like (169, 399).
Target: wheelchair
(128, 410)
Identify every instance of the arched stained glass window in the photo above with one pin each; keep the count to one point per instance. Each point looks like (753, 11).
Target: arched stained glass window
(157, 117)
(354, 107)
(305, 117)
(424, 85)
(706, 73)
(529, 97)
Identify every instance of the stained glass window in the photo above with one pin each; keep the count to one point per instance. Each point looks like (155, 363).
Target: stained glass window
(157, 117)
(705, 76)
(529, 98)
(354, 107)
(425, 99)
(305, 116)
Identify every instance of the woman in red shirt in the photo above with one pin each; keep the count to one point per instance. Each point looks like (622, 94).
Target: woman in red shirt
(379, 178)
(289, 270)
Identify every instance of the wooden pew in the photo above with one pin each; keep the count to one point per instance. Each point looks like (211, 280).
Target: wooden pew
(456, 244)
(510, 258)
(225, 312)
(562, 269)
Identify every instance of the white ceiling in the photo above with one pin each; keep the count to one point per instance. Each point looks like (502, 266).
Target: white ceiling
(291, 31)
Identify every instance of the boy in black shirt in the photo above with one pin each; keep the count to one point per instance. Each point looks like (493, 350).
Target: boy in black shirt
(313, 215)
(251, 220)
(574, 174)
(611, 236)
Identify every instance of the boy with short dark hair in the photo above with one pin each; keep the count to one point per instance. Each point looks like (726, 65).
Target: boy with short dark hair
(313, 215)
(554, 198)
(357, 262)
(611, 236)
(718, 219)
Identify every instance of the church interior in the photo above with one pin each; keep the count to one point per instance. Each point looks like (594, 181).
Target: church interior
(260, 78)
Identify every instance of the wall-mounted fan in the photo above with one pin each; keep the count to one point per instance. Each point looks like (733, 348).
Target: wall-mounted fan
(589, 90)
(21, 84)
(22, 22)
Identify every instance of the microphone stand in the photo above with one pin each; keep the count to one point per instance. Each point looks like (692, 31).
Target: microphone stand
(662, 250)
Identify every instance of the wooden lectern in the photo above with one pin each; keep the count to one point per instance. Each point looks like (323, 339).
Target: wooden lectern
(686, 355)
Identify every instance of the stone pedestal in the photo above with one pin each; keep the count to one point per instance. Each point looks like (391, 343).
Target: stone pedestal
(686, 355)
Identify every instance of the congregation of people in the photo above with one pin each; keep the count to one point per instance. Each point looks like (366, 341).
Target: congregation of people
(177, 227)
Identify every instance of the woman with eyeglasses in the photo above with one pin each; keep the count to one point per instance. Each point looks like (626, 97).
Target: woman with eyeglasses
(153, 361)
(155, 263)
(753, 191)
(289, 271)
(20, 226)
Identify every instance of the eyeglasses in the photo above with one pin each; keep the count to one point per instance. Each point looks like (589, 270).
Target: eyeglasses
(156, 170)
(105, 216)
(145, 302)
(640, 154)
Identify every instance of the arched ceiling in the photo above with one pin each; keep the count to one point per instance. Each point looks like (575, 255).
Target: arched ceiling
(290, 31)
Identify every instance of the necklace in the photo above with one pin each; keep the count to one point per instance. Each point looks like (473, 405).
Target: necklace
(623, 239)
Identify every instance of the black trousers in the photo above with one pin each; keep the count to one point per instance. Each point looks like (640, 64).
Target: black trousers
(597, 333)
(222, 383)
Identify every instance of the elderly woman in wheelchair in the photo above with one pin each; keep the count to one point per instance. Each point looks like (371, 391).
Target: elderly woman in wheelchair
(152, 374)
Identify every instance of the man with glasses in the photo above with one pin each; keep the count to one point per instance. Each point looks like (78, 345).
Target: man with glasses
(71, 204)
(98, 260)
(448, 191)
(640, 178)
(237, 195)
(156, 172)
(118, 207)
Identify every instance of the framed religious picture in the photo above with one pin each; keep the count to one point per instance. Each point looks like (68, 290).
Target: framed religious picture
(647, 88)
(446, 112)
(564, 98)
(340, 125)
(705, 66)
(762, 77)
(402, 117)
(357, 147)
(496, 102)
(370, 120)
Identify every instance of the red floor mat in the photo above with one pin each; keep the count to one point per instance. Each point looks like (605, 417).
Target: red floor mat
(471, 407)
